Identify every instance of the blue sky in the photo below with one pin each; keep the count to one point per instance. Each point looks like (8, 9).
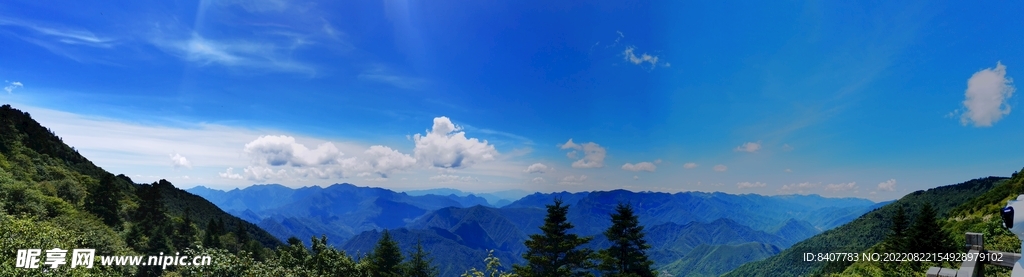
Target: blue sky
(870, 100)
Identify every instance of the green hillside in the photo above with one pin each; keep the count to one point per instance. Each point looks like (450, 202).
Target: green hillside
(53, 197)
(979, 215)
(864, 232)
(713, 260)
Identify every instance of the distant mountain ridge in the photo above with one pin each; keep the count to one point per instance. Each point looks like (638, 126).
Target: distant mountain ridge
(676, 223)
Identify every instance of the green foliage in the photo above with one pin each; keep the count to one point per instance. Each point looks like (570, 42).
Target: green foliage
(555, 251)
(979, 215)
(865, 231)
(492, 269)
(627, 255)
(419, 264)
(386, 259)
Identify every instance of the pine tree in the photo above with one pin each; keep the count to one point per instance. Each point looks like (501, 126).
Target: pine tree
(211, 239)
(104, 201)
(627, 255)
(419, 264)
(926, 235)
(386, 259)
(554, 252)
(897, 239)
(184, 233)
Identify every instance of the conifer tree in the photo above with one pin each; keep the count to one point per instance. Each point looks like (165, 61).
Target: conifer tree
(627, 255)
(386, 259)
(926, 235)
(897, 239)
(555, 252)
(420, 265)
(104, 201)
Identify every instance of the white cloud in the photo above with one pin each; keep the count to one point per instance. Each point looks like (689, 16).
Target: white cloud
(593, 154)
(283, 150)
(690, 165)
(447, 178)
(889, 185)
(630, 56)
(720, 168)
(447, 146)
(538, 180)
(179, 161)
(62, 35)
(244, 54)
(643, 166)
(254, 173)
(569, 145)
(385, 160)
(799, 188)
(749, 147)
(537, 168)
(986, 97)
(230, 174)
(789, 170)
(749, 185)
(786, 147)
(636, 177)
(841, 186)
(573, 180)
(11, 86)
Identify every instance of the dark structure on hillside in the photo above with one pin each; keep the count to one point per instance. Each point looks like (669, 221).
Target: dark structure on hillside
(975, 267)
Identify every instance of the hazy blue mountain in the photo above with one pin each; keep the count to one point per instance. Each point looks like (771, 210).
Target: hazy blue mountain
(340, 211)
(496, 199)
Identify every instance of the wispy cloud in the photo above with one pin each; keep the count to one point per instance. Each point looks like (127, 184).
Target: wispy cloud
(651, 60)
(382, 74)
(721, 168)
(11, 86)
(72, 36)
(247, 54)
(749, 147)
(749, 185)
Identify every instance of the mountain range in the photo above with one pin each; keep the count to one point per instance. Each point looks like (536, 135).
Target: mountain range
(469, 225)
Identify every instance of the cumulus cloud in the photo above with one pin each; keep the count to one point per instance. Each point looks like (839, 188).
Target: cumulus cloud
(283, 150)
(841, 186)
(789, 170)
(593, 154)
(446, 146)
(799, 188)
(254, 173)
(645, 166)
(889, 185)
(11, 86)
(385, 160)
(538, 180)
(986, 97)
(720, 168)
(179, 161)
(447, 178)
(749, 147)
(573, 180)
(230, 174)
(749, 185)
(690, 165)
(636, 177)
(537, 168)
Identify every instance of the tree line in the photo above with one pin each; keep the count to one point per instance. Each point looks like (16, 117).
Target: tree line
(554, 252)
